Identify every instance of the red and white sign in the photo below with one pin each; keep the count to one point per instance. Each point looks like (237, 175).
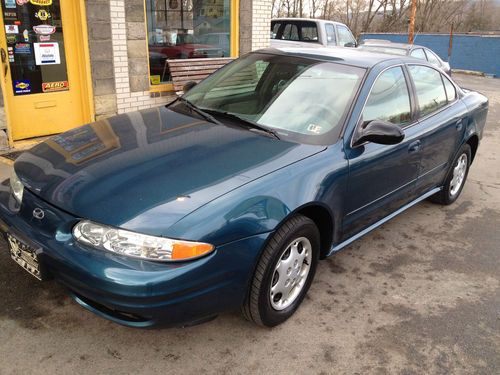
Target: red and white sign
(44, 29)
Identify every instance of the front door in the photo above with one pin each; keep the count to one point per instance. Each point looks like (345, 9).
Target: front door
(44, 73)
(382, 178)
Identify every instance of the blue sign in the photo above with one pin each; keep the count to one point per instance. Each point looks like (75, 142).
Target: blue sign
(22, 87)
(22, 48)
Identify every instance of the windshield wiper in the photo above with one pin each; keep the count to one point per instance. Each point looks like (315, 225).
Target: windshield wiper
(199, 111)
(245, 122)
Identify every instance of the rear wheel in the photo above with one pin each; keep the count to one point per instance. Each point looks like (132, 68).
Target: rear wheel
(456, 178)
(284, 273)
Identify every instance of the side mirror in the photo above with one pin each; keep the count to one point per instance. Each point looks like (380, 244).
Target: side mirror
(188, 86)
(351, 44)
(381, 132)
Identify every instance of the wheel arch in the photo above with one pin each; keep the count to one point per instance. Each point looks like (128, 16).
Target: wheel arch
(473, 142)
(324, 219)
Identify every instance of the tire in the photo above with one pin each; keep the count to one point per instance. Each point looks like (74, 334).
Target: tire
(451, 188)
(287, 266)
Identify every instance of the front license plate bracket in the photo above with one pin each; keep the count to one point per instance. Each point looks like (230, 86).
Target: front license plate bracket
(25, 255)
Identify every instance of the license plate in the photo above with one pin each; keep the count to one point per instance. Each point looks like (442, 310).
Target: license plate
(24, 255)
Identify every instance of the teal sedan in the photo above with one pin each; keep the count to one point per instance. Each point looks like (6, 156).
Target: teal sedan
(229, 197)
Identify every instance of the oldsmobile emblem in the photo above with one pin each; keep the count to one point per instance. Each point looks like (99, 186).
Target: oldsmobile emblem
(38, 213)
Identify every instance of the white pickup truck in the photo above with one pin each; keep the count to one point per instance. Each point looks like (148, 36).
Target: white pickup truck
(302, 32)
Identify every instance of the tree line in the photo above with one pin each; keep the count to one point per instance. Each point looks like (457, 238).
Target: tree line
(392, 15)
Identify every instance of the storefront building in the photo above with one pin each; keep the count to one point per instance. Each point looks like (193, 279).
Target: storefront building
(66, 63)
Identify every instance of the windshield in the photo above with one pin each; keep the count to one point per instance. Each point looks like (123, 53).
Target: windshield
(302, 99)
(384, 49)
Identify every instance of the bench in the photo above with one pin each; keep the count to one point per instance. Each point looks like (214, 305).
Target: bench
(187, 70)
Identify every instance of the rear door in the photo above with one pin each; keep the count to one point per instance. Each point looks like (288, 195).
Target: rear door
(442, 120)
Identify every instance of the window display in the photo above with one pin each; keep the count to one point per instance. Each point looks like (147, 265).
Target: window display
(186, 29)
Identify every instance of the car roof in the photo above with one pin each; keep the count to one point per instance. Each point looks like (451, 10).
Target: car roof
(349, 56)
(306, 19)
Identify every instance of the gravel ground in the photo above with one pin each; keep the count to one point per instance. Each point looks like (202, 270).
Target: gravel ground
(419, 295)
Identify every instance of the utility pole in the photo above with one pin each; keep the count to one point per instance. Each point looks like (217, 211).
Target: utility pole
(411, 27)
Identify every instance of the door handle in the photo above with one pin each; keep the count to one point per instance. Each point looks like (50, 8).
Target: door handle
(3, 55)
(414, 147)
(460, 124)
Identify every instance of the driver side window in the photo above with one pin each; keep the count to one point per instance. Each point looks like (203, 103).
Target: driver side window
(389, 99)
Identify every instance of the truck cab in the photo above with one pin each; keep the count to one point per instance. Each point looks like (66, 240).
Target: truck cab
(310, 32)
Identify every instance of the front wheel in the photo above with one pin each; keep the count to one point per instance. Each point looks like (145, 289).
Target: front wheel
(284, 273)
(455, 179)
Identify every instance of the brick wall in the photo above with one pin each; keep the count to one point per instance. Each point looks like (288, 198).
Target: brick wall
(128, 34)
(101, 57)
(255, 23)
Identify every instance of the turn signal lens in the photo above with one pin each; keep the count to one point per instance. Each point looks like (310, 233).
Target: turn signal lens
(138, 245)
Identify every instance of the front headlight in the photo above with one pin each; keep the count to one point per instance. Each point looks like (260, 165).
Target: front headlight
(138, 245)
(16, 186)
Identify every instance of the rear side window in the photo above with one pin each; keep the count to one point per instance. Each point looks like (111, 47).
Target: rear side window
(418, 53)
(430, 90)
(330, 35)
(345, 36)
(389, 99)
(304, 31)
(451, 92)
(433, 58)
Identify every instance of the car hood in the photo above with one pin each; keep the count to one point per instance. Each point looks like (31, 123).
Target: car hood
(146, 170)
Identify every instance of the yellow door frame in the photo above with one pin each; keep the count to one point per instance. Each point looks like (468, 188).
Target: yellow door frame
(85, 76)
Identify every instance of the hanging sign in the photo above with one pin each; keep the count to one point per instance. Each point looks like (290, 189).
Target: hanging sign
(47, 54)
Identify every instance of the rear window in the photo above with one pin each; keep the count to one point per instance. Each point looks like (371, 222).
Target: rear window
(302, 31)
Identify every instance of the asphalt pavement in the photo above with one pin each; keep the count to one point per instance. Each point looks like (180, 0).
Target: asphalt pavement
(420, 295)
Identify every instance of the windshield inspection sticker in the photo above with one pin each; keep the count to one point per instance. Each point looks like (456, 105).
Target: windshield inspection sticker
(313, 128)
(22, 87)
(47, 54)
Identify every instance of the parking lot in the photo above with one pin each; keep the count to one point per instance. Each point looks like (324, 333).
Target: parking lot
(419, 295)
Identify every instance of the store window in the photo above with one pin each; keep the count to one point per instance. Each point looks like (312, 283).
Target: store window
(186, 29)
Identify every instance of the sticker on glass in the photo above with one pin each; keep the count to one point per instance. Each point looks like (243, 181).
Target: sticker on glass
(11, 29)
(22, 2)
(42, 15)
(10, 16)
(10, 4)
(47, 54)
(22, 87)
(42, 3)
(55, 86)
(22, 49)
(44, 29)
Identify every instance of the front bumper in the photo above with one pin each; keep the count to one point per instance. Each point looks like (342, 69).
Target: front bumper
(128, 291)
